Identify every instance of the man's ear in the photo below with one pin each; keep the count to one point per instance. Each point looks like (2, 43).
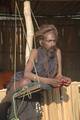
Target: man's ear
(40, 42)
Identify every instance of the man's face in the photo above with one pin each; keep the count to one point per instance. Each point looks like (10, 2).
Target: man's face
(49, 41)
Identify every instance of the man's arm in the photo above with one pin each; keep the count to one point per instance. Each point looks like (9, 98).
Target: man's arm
(31, 76)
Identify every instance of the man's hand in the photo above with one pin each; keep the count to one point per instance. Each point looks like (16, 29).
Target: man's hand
(65, 81)
(56, 83)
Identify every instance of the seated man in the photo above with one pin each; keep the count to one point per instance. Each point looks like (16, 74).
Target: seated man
(44, 66)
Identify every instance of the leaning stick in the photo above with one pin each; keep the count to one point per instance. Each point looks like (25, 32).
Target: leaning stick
(30, 29)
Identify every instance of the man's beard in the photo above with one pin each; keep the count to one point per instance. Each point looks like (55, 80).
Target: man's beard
(51, 52)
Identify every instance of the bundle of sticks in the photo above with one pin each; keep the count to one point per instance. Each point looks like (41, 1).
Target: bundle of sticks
(27, 90)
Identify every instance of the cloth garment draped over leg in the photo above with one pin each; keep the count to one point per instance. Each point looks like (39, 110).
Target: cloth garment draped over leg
(26, 109)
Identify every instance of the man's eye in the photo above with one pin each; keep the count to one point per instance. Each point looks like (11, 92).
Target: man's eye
(52, 40)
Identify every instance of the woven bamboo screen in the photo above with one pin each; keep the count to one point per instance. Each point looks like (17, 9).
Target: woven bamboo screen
(59, 104)
(64, 105)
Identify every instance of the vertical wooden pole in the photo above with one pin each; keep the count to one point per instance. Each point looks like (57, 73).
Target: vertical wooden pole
(54, 104)
(79, 99)
(66, 103)
(75, 100)
(30, 29)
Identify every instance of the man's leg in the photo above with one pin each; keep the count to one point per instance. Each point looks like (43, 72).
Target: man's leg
(3, 110)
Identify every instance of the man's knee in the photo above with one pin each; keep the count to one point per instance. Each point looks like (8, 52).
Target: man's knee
(3, 110)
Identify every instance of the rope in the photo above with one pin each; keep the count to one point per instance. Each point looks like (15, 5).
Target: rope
(35, 20)
(29, 95)
(15, 47)
(14, 102)
(36, 25)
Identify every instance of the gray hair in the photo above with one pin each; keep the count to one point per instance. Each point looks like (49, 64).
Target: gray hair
(45, 29)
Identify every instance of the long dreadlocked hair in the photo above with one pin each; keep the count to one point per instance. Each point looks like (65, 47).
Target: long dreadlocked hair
(39, 35)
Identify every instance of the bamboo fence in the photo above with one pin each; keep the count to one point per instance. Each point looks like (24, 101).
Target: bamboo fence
(59, 104)
(62, 104)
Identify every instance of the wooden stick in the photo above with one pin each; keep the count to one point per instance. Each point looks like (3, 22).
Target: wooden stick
(54, 102)
(67, 103)
(75, 100)
(30, 29)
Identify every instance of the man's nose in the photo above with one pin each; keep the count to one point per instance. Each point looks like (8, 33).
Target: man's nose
(52, 44)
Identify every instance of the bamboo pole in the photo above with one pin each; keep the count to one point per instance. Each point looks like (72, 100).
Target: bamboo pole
(53, 113)
(67, 103)
(2, 94)
(79, 99)
(30, 29)
(56, 93)
(67, 108)
(54, 104)
(75, 100)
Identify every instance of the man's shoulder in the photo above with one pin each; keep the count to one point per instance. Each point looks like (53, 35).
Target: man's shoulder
(34, 53)
(58, 50)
